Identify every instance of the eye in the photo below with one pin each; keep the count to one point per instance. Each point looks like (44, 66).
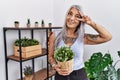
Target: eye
(78, 16)
(70, 13)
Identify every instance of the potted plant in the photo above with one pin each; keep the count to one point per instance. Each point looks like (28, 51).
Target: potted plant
(50, 24)
(29, 47)
(16, 24)
(36, 24)
(28, 72)
(28, 23)
(100, 67)
(42, 23)
(65, 58)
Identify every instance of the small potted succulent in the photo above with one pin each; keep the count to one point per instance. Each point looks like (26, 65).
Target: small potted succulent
(50, 24)
(16, 23)
(65, 58)
(36, 24)
(28, 23)
(42, 23)
(28, 72)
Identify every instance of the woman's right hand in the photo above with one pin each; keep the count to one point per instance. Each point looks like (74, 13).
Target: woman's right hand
(60, 71)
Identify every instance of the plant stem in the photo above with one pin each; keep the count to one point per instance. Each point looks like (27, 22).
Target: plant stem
(116, 62)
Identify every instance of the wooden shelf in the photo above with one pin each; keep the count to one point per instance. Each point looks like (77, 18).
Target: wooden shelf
(39, 75)
(42, 74)
(15, 58)
(31, 28)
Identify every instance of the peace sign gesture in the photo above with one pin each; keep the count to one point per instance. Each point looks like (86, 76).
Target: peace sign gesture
(86, 19)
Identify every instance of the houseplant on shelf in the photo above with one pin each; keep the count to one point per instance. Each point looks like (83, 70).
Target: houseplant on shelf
(100, 67)
(28, 72)
(28, 23)
(42, 23)
(65, 58)
(29, 47)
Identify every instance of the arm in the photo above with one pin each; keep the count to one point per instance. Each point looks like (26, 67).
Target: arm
(102, 36)
(51, 49)
(52, 61)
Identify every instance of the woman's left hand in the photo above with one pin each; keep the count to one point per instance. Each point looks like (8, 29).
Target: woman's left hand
(86, 19)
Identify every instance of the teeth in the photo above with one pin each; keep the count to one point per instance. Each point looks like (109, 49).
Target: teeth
(71, 22)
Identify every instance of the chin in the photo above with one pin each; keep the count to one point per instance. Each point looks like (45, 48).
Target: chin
(71, 26)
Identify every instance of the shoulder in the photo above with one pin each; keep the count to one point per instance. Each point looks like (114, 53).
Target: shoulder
(56, 32)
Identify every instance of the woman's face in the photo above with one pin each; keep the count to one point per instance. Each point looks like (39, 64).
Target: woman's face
(71, 19)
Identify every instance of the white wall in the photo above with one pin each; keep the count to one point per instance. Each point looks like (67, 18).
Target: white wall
(105, 12)
(21, 10)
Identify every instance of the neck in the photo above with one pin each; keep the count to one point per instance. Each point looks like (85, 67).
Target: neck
(70, 32)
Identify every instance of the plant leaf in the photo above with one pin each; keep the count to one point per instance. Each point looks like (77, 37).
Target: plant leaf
(119, 53)
(118, 73)
(112, 73)
(64, 54)
(96, 64)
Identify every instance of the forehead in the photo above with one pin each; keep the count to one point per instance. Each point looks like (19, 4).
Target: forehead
(74, 10)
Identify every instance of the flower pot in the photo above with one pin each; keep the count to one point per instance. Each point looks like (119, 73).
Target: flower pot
(16, 23)
(67, 65)
(29, 77)
(28, 51)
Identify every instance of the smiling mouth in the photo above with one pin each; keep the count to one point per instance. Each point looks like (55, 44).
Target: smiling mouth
(71, 22)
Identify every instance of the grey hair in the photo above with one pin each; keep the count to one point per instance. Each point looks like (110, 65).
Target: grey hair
(79, 31)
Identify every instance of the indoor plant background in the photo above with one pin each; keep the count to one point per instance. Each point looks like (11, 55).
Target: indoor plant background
(101, 67)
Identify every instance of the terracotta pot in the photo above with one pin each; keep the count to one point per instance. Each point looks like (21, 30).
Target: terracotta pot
(67, 65)
(29, 77)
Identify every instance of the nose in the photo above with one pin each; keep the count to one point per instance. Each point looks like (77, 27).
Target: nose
(72, 17)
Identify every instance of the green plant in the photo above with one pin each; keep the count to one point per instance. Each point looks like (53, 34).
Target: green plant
(28, 21)
(16, 22)
(42, 22)
(26, 42)
(63, 54)
(36, 22)
(28, 71)
(100, 67)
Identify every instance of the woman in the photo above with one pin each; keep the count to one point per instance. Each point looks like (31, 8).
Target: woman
(73, 35)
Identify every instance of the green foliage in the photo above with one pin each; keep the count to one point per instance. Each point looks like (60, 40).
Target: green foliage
(26, 42)
(119, 53)
(28, 21)
(118, 73)
(16, 22)
(112, 73)
(100, 67)
(42, 22)
(96, 64)
(28, 71)
(64, 54)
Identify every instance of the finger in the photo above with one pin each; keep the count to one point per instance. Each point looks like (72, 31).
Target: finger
(81, 13)
(81, 19)
(64, 70)
(63, 73)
